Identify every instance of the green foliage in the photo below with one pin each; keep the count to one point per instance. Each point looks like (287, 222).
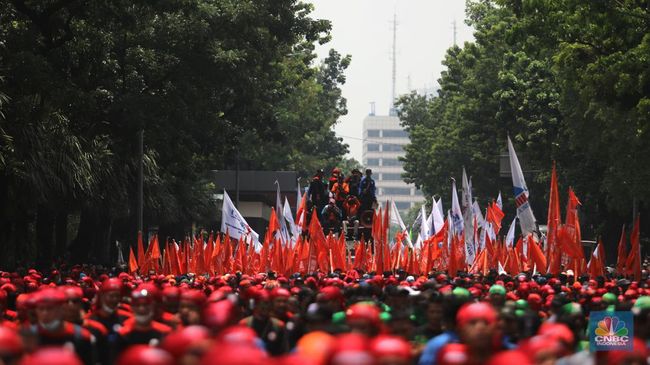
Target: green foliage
(209, 82)
(567, 80)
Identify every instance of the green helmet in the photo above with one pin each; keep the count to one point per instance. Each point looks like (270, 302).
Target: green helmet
(497, 290)
(461, 292)
(642, 303)
(610, 298)
(521, 304)
(572, 309)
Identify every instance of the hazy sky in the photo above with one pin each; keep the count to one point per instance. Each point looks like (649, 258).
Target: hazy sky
(363, 29)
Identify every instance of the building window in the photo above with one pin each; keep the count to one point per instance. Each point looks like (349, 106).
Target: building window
(396, 133)
(373, 133)
(390, 147)
(397, 191)
(372, 147)
(391, 177)
(391, 162)
(373, 162)
(403, 205)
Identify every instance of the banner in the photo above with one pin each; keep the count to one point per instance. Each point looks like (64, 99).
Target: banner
(234, 223)
(524, 211)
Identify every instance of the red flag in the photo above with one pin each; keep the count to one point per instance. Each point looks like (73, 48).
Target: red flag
(494, 215)
(360, 254)
(633, 263)
(301, 214)
(133, 263)
(621, 254)
(537, 255)
(595, 265)
(573, 223)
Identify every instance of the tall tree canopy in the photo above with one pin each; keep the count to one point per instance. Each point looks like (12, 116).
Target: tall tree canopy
(568, 80)
(208, 81)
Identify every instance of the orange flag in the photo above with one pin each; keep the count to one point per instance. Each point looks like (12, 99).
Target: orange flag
(495, 216)
(360, 254)
(621, 254)
(318, 245)
(553, 251)
(133, 263)
(537, 255)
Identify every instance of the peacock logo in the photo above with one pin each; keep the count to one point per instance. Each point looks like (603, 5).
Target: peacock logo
(611, 326)
(611, 331)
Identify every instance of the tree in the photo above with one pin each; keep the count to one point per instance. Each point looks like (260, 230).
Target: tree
(567, 80)
(207, 81)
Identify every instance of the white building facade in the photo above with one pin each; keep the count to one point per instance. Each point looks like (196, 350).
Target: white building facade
(383, 143)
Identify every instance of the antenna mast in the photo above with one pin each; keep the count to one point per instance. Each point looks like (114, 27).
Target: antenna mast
(392, 111)
(454, 26)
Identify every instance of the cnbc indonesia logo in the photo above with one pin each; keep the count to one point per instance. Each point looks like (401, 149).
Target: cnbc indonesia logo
(611, 332)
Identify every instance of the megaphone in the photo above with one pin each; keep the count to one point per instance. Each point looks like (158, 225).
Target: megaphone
(366, 218)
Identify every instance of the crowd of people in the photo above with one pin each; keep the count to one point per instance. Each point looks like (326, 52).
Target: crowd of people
(87, 315)
(341, 198)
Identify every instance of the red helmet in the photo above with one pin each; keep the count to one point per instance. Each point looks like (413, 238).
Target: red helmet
(453, 354)
(171, 294)
(11, 345)
(363, 312)
(237, 354)
(193, 295)
(177, 343)
(351, 348)
(52, 356)
(145, 294)
(219, 315)
(49, 296)
(144, 355)
(639, 353)
(510, 357)
(480, 310)
(111, 284)
(391, 346)
(72, 292)
(238, 335)
(280, 292)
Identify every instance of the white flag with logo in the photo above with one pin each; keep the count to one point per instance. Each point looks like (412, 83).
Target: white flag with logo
(237, 227)
(524, 211)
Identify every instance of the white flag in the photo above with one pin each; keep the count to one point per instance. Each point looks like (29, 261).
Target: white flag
(436, 219)
(295, 231)
(500, 269)
(466, 208)
(510, 237)
(500, 201)
(524, 211)
(283, 233)
(457, 226)
(395, 218)
(476, 211)
(424, 225)
(233, 222)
